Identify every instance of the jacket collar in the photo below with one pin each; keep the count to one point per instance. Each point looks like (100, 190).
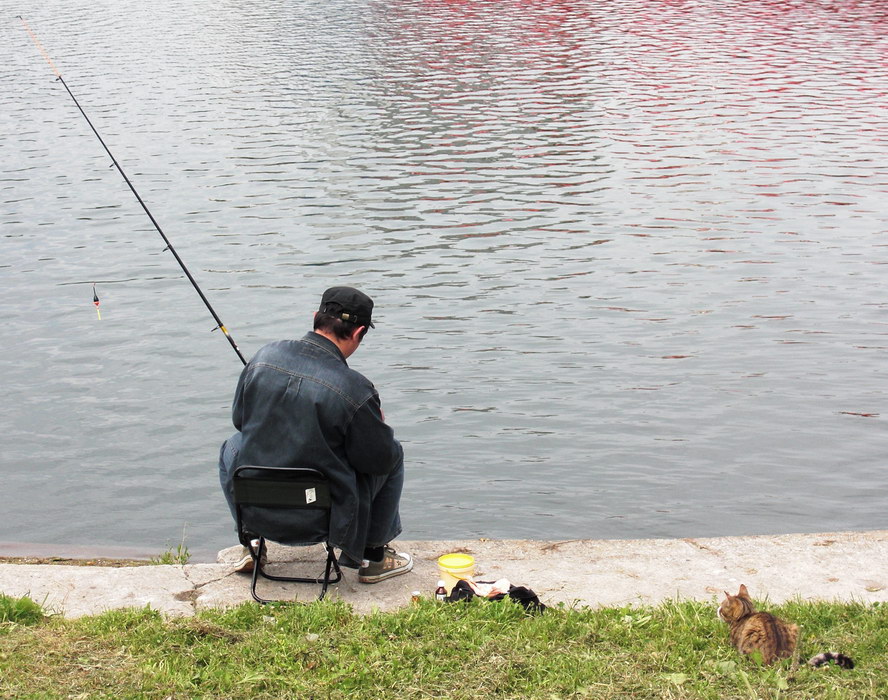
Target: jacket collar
(324, 344)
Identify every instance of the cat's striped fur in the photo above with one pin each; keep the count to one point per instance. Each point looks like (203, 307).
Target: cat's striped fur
(764, 634)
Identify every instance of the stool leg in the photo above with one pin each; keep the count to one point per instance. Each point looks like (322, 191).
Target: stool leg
(257, 568)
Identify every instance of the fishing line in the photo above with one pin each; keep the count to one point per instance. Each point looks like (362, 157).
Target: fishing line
(169, 246)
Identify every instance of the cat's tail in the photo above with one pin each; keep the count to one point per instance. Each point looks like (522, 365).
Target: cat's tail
(828, 657)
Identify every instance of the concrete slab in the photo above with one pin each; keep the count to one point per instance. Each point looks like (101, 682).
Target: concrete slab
(826, 566)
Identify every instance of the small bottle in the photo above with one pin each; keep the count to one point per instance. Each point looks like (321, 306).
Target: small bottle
(440, 592)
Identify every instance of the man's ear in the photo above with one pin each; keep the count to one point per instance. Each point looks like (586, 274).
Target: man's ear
(356, 334)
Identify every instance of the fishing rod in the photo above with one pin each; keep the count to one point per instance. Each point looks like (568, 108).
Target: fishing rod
(169, 246)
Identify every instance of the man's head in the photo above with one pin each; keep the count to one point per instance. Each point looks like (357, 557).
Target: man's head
(344, 310)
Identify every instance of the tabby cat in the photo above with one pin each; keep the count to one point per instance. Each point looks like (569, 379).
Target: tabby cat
(765, 634)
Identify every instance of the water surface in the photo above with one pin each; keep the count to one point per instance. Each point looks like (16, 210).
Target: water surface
(628, 257)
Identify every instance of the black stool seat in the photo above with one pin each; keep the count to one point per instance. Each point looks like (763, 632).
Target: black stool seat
(300, 496)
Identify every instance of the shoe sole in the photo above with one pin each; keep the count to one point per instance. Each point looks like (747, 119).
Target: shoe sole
(244, 566)
(386, 574)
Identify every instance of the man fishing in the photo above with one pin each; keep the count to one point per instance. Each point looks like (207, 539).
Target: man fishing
(298, 404)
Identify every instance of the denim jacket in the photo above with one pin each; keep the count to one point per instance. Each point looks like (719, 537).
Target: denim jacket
(298, 403)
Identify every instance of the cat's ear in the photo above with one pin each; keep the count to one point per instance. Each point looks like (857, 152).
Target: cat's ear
(728, 595)
(743, 590)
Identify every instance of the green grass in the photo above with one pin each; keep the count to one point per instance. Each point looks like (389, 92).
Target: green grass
(435, 650)
(19, 611)
(179, 555)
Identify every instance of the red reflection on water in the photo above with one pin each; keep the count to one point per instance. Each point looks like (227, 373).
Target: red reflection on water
(658, 87)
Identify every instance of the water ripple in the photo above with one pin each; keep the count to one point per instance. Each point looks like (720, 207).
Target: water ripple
(626, 255)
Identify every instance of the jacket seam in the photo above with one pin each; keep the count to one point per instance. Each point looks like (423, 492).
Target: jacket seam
(352, 402)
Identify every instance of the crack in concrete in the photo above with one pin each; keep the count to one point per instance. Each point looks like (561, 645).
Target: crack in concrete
(552, 546)
(192, 595)
(701, 547)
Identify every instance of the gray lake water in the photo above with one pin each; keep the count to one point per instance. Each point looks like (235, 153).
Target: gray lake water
(629, 256)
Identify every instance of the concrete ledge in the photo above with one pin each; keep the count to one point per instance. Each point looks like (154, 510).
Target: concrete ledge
(827, 566)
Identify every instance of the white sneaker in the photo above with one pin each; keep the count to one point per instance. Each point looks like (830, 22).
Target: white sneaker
(244, 565)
